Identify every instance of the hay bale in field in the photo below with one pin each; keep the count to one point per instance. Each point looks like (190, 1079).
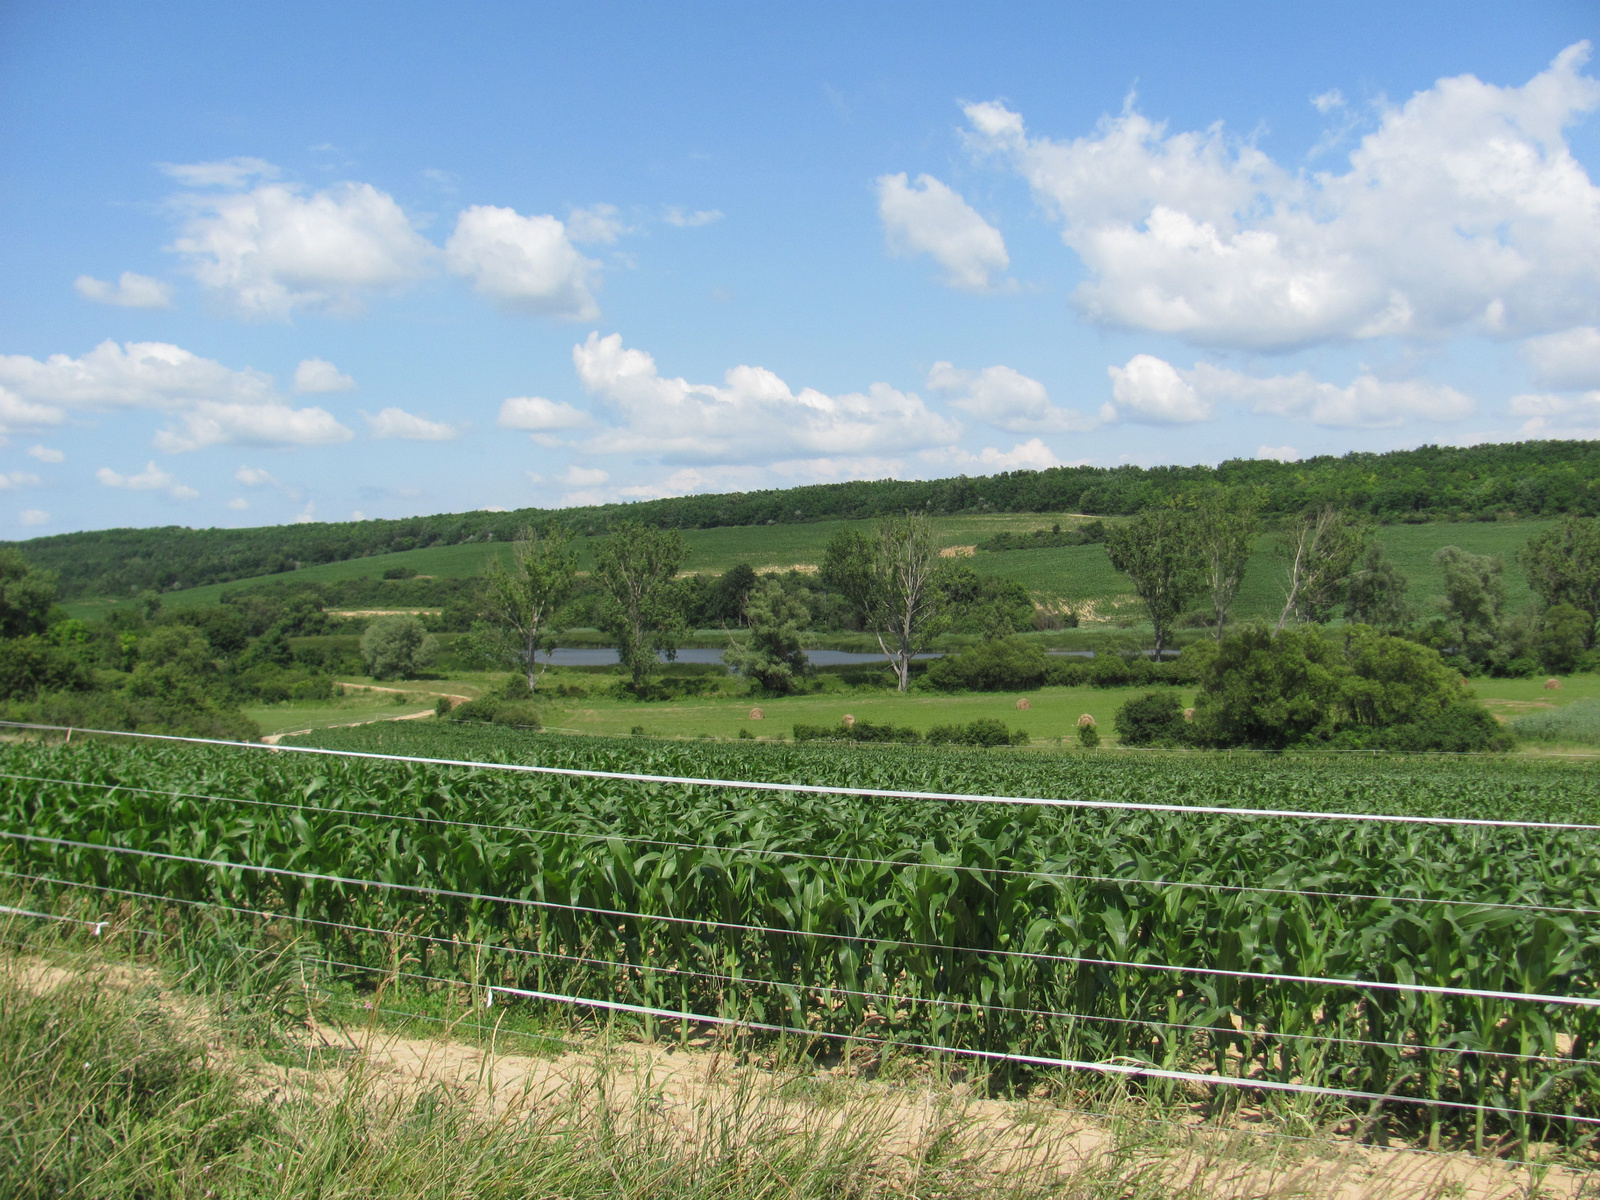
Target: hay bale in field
(1188, 714)
(756, 714)
(1086, 722)
(1024, 704)
(847, 721)
(1552, 685)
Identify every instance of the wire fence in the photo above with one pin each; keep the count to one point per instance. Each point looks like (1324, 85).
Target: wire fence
(1517, 1061)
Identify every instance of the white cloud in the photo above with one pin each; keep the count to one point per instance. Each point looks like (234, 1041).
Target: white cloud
(1588, 403)
(33, 516)
(1570, 359)
(1463, 211)
(1367, 403)
(927, 217)
(238, 504)
(307, 515)
(231, 173)
(45, 454)
(1281, 453)
(537, 414)
(11, 480)
(597, 223)
(17, 413)
(1151, 390)
(753, 416)
(272, 250)
(130, 291)
(253, 477)
(1328, 101)
(522, 263)
(576, 476)
(210, 403)
(1031, 455)
(397, 423)
(1006, 399)
(315, 375)
(213, 424)
(691, 219)
(151, 479)
(134, 375)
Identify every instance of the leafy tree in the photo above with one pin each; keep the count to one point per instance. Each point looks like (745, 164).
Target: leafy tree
(1003, 665)
(396, 647)
(772, 655)
(1266, 689)
(1226, 521)
(25, 596)
(1563, 566)
(1156, 550)
(729, 593)
(1474, 600)
(1564, 631)
(1153, 719)
(522, 600)
(1323, 546)
(986, 605)
(636, 567)
(891, 581)
(1376, 593)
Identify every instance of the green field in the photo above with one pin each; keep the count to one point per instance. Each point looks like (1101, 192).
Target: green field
(1071, 574)
(1015, 930)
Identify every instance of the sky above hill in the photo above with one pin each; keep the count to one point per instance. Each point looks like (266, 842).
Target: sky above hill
(288, 261)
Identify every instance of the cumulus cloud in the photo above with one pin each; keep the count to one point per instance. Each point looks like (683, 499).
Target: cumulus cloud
(1587, 403)
(1463, 211)
(238, 504)
(33, 516)
(399, 424)
(1031, 455)
(526, 264)
(130, 291)
(315, 375)
(1566, 360)
(1151, 390)
(1006, 399)
(17, 413)
(576, 476)
(752, 416)
(1366, 403)
(151, 479)
(212, 424)
(46, 454)
(1280, 453)
(208, 402)
(11, 480)
(271, 250)
(253, 476)
(927, 217)
(538, 415)
(228, 173)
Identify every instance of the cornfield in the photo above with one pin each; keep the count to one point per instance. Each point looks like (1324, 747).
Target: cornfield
(1088, 935)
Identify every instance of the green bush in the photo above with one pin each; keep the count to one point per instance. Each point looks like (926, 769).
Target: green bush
(1088, 737)
(1002, 665)
(397, 648)
(1578, 722)
(861, 731)
(986, 731)
(1153, 719)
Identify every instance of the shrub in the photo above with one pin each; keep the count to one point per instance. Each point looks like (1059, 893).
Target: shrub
(861, 731)
(1088, 736)
(1578, 722)
(986, 731)
(396, 647)
(518, 714)
(1002, 665)
(1153, 719)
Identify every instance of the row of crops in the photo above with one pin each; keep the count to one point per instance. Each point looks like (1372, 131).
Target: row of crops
(1083, 934)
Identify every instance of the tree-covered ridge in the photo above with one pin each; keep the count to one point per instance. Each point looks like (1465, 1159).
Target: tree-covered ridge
(1527, 478)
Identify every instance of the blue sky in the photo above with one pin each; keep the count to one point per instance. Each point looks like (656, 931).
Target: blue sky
(282, 262)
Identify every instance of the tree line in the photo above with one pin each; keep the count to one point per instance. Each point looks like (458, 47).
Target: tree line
(1432, 482)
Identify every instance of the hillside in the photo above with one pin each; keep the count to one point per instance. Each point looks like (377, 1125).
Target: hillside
(1526, 479)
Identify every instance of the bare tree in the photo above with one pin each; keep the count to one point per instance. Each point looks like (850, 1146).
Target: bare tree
(891, 579)
(1323, 546)
(522, 599)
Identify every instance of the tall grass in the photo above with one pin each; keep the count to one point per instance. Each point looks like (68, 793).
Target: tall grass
(1578, 722)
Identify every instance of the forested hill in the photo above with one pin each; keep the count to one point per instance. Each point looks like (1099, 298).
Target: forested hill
(1527, 478)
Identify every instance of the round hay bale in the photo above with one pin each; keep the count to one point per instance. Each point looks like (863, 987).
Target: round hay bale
(1024, 704)
(848, 720)
(1552, 685)
(1188, 714)
(757, 715)
(1086, 721)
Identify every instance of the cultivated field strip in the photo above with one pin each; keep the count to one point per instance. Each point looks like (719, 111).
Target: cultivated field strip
(1448, 965)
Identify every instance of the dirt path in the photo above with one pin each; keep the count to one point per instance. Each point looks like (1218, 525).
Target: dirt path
(272, 739)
